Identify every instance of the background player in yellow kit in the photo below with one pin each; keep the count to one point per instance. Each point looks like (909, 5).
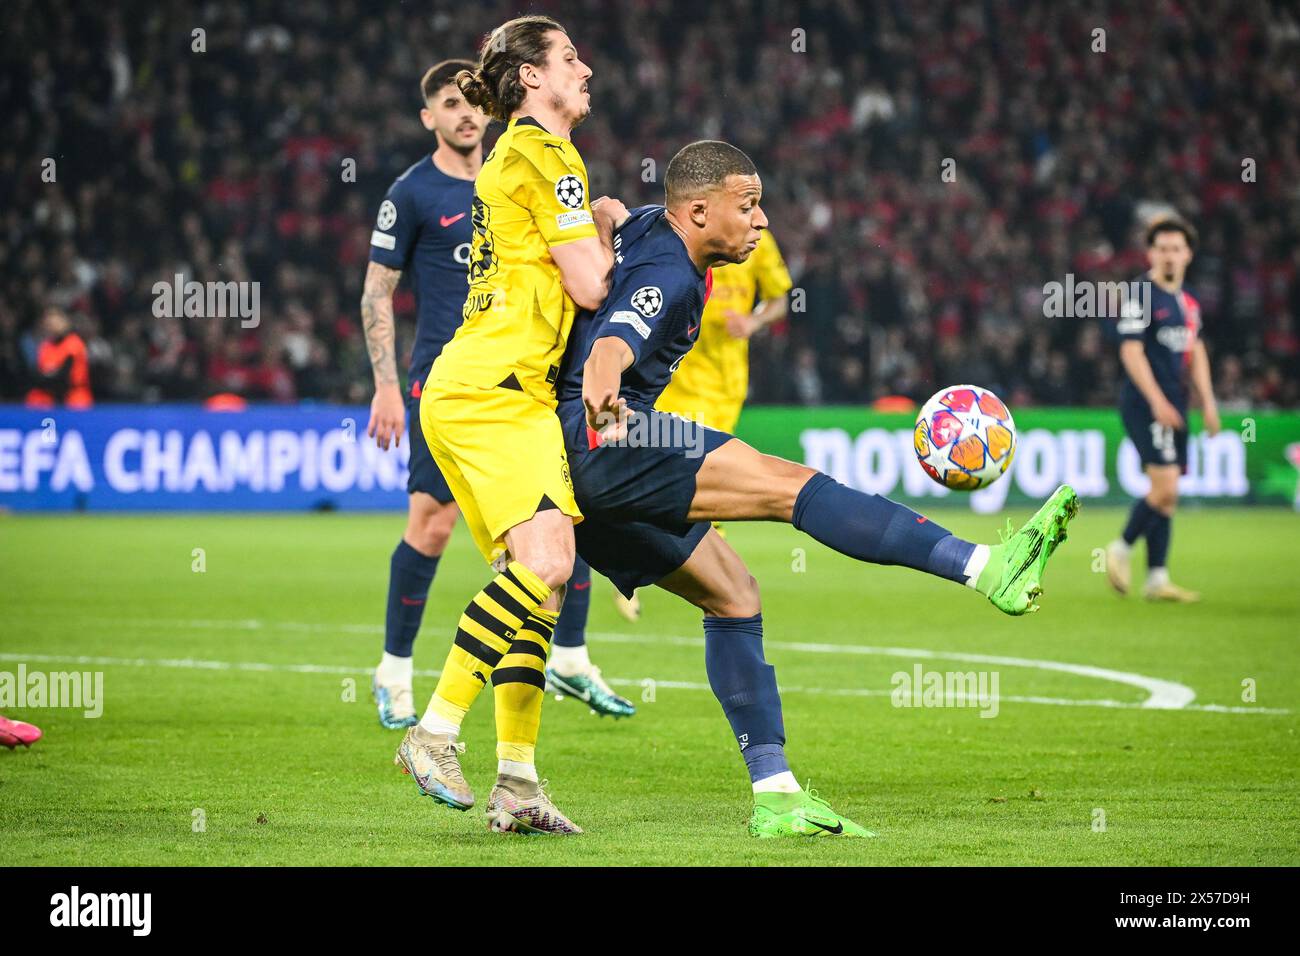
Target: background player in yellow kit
(488, 411)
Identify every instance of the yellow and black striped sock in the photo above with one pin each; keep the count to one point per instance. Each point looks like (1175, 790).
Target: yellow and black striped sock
(484, 636)
(518, 685)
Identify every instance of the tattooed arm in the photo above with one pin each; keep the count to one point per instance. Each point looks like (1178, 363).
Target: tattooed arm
(387, 411)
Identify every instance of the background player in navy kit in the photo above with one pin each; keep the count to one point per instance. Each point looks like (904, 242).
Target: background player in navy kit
(650, 483)
(423, 228)
(1162, 353)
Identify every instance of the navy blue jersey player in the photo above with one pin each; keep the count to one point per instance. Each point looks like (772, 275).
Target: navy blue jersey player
(649, 483)
(423, 230)
(1164, 360)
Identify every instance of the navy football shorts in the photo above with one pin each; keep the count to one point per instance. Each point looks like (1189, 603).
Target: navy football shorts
(1156, 444)
(635, 498)
(423, 470)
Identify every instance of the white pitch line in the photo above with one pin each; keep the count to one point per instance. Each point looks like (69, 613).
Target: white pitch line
(262, 667)
(1161, 694)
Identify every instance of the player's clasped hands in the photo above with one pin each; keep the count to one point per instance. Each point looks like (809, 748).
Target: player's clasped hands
(611, 209)
(387, 417)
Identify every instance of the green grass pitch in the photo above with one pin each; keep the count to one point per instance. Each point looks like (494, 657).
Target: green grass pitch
(228, 734)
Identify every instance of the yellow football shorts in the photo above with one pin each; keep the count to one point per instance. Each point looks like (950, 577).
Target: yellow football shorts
(502, 453)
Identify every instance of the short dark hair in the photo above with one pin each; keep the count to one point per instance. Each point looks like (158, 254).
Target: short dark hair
(493, 85)
(1172, 224)
(701, 167)
(440, 75)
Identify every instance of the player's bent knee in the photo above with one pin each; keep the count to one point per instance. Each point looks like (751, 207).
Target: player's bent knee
(430, 530)
(554, 567)
(739, 599)
(1163, 498)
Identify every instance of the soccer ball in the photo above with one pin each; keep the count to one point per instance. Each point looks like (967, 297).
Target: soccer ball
(964, 437)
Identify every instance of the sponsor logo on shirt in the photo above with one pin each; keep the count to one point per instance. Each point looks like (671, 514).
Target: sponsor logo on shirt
(632, 319)
(567, 220)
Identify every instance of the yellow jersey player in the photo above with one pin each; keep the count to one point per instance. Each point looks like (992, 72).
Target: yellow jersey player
(712, 381)
(539, 252)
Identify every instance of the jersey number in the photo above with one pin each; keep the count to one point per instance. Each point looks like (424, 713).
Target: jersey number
(1162, 437)
(482, 258)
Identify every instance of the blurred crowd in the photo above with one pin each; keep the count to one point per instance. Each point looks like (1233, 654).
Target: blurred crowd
(928, 168)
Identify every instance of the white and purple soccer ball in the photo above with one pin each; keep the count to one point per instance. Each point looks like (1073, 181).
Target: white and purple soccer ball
(964, 437)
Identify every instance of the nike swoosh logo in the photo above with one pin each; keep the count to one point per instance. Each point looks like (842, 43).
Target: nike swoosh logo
(838, 828)
(585, 696)
(692, 330)
(448, 220)
(582, 587)
(922, 519)
(1033, 556)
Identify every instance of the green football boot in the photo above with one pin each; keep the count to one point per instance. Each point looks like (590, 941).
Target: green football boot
(802, 814)
(591, 689)
(1012, 579)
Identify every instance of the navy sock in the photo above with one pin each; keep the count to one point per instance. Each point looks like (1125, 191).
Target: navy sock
(745, 685)
(1158, 532)
(571, 628)
(409, 575)
(875, 529)
(1139, 520)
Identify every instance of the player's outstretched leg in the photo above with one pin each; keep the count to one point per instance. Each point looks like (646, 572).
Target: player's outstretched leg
(736, 482)
(410, 573)
(570, 672)
(15, 732)
(716, 580)
(1012, 577)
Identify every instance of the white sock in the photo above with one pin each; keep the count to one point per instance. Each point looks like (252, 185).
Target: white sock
(1157, 577)
(783, 782)
(570, 660)
(1122, 546)
(514, 768)
(975, 564)
(395, 670)
(435, 723)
